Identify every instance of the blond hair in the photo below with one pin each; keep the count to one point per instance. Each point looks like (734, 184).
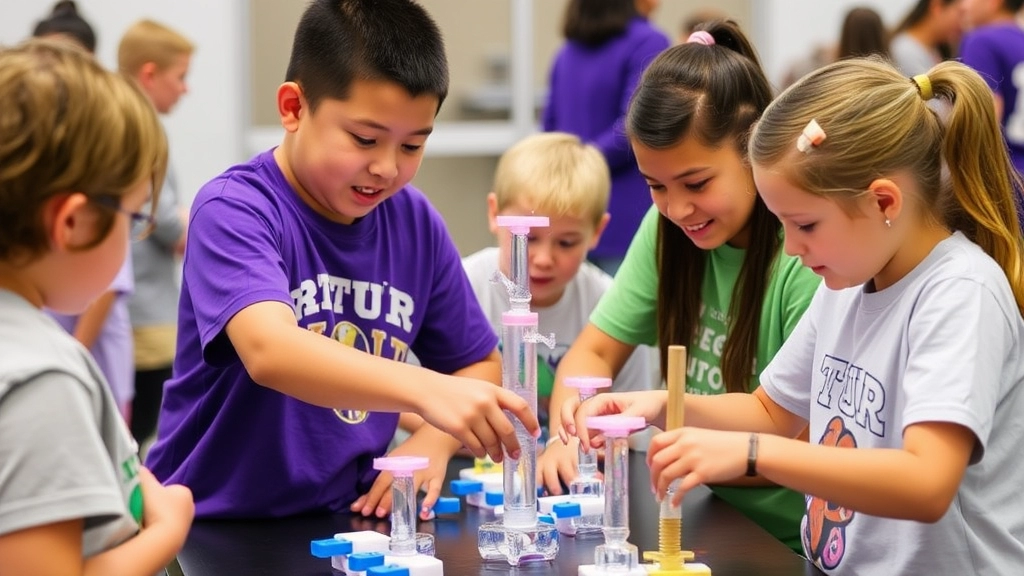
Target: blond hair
(67, 125)
(148, 41)
(877, 123)
(555, 174)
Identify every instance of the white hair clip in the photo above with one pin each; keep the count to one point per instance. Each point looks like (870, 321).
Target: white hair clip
(812, 136)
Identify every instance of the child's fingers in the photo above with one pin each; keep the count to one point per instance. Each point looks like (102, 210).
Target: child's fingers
(432, 490)
(374, 500)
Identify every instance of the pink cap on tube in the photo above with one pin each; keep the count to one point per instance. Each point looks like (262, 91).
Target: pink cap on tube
(616, 425)
(522, 224)
(401, 465)
(587, 383)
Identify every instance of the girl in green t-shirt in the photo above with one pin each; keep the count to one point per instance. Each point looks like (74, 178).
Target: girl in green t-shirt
(705, 269)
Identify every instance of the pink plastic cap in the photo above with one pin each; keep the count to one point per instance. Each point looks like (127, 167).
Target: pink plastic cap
(522, 224)
(587, 382)
(616, 425)
(399, 464)
(518, 318)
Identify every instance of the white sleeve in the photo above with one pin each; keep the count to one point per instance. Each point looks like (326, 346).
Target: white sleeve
(787, 378)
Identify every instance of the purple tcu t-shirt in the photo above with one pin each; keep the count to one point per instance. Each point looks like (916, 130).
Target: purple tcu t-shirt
(386, 284)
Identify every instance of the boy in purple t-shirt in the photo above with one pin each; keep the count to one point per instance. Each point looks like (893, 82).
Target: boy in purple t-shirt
(310, 273)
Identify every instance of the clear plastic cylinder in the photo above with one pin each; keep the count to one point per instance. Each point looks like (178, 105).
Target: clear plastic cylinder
(587, 460)
(519, 362)
(519, 274)
(403, 516)
(616, 489)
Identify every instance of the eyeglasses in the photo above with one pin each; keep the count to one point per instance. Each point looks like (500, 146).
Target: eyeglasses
(141, 222)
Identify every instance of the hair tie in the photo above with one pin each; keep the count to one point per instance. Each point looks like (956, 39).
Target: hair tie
(701, 37)
(812, 136)
(924, 86)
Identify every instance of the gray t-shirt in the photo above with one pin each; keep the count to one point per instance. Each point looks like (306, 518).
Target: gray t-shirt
(65, 451)
(155, 301)
(943, 344)
(910, 56)
(565, 319)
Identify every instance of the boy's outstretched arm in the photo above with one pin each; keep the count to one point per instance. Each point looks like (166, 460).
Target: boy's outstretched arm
(437, 445)
(280, 355)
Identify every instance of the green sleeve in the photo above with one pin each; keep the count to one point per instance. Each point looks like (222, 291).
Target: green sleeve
(628, 310)
(789, 294)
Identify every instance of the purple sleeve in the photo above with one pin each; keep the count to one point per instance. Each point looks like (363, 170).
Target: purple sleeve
(548, 120)
(612, 141)
(232, 261)
(455, 331)
(982, 55)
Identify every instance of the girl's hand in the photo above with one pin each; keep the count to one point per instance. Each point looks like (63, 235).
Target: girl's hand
(695, 456)
(649, 404)
(168, 506)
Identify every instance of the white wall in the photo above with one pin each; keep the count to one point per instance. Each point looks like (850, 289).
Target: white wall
(206, 128)
(787, 30)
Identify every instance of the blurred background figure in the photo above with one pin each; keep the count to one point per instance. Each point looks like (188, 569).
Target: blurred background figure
(994, 46)
(64, 21)
(928, 34)
(608, 44)
(158, 58)
(863, 34)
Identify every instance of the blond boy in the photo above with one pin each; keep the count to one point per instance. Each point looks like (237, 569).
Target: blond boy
(556, 175)
(158, 58)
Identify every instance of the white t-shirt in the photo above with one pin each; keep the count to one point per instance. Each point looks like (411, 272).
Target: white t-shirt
(566, 319)
(944, 344)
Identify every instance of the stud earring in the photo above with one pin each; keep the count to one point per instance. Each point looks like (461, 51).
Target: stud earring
(888, 224)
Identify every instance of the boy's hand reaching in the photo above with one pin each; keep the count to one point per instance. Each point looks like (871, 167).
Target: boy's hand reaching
(378, 500)
(472, 411)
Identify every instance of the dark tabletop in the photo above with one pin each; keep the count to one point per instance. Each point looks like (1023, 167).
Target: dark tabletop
(725, 540)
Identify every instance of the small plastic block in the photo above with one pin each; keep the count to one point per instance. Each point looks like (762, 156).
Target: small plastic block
(447, 505)
(464, 487)
(366, 541)
(545, 518)
(362, 561)
(418, 564)
(390, 570)
(328, 547)
(494, 498)
(566, 510)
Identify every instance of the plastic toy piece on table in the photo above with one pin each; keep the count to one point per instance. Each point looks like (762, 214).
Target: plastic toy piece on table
(616, 556)
(408, 548)
(475, 486)
(346, 545)
(671, 559)
(574, 515)
(519, 537)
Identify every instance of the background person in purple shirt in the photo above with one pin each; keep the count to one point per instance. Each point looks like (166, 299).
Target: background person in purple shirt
(310, 273)
(608, 45)
(994, 46)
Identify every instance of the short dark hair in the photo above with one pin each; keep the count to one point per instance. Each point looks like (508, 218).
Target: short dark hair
(591, 22)
(65, 20)
(340, 41)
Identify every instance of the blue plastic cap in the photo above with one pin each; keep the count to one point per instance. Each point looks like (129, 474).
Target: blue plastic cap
(389, 570)
(447, 506)
(329, 547)
(362, 561)
(545, 519)
(493, 498)
(464, 487)
(566, 510)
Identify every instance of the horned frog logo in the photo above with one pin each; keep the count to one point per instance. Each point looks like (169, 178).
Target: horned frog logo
(823, 529)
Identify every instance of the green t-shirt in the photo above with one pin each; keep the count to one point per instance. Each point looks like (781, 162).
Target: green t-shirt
(628, 313)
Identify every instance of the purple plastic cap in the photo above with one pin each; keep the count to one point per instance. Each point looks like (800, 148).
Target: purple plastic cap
(587, 382)
(522, 224)
(518, 318)
(616, 425)
(399, 464)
